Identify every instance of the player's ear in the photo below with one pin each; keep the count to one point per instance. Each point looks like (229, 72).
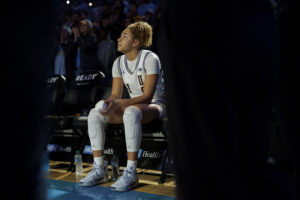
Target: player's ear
(136, 43)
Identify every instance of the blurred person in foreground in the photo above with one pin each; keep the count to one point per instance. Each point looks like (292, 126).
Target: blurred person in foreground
(222, 78)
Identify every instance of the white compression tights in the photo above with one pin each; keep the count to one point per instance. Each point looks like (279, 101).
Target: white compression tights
(96, 129)
(132, 124)
(133, 129)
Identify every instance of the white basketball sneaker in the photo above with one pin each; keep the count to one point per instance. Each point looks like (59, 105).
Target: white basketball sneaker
(126, 182)
(98, 175)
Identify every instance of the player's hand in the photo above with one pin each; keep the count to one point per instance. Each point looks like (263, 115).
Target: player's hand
(112, 106)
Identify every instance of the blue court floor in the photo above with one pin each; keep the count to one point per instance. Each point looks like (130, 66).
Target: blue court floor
(62, 185)
(66, 190)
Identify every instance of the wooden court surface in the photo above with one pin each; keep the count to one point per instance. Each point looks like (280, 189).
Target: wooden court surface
(148, 179)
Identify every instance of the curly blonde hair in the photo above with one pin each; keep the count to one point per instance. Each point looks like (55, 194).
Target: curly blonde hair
(142, 31)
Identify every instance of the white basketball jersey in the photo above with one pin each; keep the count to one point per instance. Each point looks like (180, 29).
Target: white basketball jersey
(134, 80)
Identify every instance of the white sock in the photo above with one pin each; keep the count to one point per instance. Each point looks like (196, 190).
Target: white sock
(131, 165)
(99, 160)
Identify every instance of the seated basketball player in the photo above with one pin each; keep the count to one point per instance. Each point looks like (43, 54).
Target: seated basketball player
(140, 71)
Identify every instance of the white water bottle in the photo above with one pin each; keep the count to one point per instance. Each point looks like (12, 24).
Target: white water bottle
(115, 167)
(100, 106)
(78, 163)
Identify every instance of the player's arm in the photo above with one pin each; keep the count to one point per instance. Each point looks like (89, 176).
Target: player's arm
(148, 92)
(149, 89)
(152, 67)
(117, 88)
(117, 82)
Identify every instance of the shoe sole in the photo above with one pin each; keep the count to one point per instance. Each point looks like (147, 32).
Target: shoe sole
(124, 189)
(104, 180)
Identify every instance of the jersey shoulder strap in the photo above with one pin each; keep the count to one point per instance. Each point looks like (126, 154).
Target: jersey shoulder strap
(119, 64)
(146, 54)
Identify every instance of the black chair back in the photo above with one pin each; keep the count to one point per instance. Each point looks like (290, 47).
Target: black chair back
(86, 90)
(55, 93)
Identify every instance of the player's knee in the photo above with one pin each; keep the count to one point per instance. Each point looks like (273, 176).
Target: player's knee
(132, 115)
(95, 115)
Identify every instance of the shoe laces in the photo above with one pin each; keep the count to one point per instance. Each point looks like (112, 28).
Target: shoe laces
(127, 177)
(93, 172)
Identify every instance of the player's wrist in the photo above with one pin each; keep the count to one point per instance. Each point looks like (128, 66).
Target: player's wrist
(112, 97)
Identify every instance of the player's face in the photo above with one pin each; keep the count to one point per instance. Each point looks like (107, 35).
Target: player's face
(126, 41)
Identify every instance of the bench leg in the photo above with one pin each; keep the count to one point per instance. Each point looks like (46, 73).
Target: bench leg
(163, 171)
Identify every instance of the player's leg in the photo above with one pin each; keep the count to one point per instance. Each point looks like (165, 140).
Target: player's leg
(133, 117)
(96, 131)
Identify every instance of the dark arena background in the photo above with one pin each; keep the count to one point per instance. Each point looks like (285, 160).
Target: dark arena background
(226, 67)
